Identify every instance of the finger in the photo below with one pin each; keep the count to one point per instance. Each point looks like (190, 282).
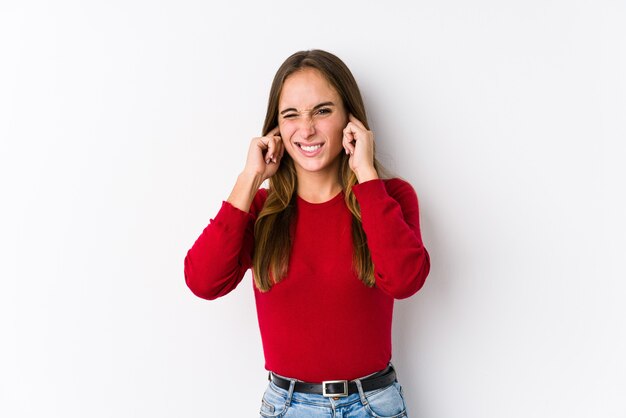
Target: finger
(280, 152)
(350, 133)
(271, 149)
(357, 122)
(278, 149)
(261, 142)
(274, 132)
(348, 142)
(350, 129)
(354, 130)
(358, 133)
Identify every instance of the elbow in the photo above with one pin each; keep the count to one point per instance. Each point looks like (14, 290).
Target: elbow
(417, 281)
(200, 291)
(412, 278)
(198, 283)
(208, 282)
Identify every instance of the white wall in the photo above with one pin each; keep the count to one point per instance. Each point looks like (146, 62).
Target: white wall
(123, 127)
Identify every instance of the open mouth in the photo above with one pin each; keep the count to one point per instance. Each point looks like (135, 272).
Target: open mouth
(309, 148)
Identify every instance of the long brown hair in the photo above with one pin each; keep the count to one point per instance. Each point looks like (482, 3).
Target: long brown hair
(273, 227)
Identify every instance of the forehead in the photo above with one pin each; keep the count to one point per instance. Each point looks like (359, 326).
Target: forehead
(306, 88)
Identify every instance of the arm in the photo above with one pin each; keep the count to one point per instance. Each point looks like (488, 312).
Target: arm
(390, 217)
(218, 260)
(222, 254)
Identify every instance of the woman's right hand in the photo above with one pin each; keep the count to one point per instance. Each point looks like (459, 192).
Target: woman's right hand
(262, 163)
(264, 154)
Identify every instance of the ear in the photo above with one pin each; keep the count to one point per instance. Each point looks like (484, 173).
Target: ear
(347, 118)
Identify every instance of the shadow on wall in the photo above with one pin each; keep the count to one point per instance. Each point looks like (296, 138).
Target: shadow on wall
(413, 327)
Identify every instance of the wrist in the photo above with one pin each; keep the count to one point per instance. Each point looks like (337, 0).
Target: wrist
(254, 180)
(366, 175)
(244, 191)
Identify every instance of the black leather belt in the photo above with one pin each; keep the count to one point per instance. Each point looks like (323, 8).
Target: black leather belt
(339, 388)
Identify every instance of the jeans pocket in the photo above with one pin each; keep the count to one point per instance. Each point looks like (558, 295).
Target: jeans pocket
(273, 404)
(387, 402)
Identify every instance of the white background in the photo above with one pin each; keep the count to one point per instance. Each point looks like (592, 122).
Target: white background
(123, 125)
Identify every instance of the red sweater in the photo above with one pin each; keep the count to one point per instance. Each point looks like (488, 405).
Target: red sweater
(321, 322)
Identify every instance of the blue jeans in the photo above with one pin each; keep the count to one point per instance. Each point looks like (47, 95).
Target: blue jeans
(387, 402)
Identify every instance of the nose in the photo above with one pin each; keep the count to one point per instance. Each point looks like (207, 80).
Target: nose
(307, 127)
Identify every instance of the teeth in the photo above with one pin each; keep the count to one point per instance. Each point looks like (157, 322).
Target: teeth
(311, 148)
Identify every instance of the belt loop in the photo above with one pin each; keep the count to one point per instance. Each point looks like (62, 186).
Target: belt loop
(292, 385)
(361, 393)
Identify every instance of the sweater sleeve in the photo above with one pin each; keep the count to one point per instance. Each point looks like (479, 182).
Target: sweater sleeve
(220, 257)
(390, 217)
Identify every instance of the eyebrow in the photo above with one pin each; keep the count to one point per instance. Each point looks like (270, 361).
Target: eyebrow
(293, 109)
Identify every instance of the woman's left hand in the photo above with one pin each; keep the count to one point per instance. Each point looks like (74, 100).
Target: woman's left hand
(359, 144)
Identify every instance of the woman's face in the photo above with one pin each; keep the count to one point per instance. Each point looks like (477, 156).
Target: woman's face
(311, 117)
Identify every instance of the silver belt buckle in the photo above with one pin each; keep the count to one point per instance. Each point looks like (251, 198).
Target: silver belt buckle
(335, 395)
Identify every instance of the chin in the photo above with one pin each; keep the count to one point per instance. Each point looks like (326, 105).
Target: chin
(311, 167)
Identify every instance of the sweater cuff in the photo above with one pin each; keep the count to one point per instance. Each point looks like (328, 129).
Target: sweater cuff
(232, 217)
(369, 190)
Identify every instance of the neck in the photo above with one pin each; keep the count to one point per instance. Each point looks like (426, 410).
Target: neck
(318, 187)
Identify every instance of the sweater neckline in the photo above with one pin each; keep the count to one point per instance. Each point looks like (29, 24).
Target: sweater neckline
(333, 201)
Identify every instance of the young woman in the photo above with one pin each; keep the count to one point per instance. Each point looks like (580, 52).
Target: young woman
(330, 244)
